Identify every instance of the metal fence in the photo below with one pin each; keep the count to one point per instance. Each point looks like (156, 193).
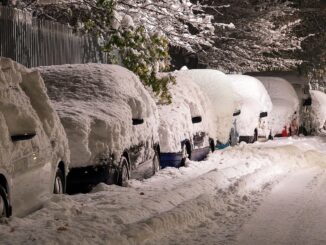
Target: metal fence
(33, 42)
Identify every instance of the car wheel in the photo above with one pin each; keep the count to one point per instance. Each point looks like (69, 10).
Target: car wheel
(186, 154)
(212, 145)
(156, 163)
(255, 136)
(4, 203)
(124, 172)
(58, 182)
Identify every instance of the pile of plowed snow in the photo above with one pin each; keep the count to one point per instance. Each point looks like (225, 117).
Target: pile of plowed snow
(174, 199)
(25, 108)
(96, 104)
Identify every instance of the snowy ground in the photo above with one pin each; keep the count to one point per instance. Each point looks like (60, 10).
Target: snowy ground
(265, 193)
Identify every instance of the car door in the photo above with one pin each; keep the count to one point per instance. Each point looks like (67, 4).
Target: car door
(26, 159)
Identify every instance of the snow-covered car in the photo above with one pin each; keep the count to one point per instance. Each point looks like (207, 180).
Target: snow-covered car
(110, 119)
(301, 85)
(254, 103)
(318, 111)
(34, 153)
(221, 104)
(184, 124)
(284, 117)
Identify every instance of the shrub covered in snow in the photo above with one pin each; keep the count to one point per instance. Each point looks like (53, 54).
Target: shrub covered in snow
(221, 101)
(318, 109)
(285, 103)
(96, 104)
(253, 99)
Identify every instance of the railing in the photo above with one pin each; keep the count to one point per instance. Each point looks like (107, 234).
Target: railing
(33, 42)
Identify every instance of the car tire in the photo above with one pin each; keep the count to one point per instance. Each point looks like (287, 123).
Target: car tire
(186, 154)
(124, 174)
(255, 138)
(4, 203)
(58, 182)
(212, 145)
(156, 163)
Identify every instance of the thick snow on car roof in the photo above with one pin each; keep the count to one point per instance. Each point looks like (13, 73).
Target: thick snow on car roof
(25, 108)
(285, 102)
(175, 118)
(96, 104)
(217, 88)
(253, 98)
(318, 107)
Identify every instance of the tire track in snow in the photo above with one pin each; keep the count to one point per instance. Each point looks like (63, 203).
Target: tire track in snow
(292, 214)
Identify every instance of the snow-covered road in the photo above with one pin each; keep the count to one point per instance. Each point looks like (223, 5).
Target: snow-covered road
(265, 193)
(293, 213)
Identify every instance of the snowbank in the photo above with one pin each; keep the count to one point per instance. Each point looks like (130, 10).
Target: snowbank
(176, 125)
(172, 204)
(96, 104)
(285, 103)
(26, 108)
(216, 86)
(318, 109)
(253, 99)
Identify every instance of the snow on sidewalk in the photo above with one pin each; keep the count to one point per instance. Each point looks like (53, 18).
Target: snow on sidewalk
(170, 206)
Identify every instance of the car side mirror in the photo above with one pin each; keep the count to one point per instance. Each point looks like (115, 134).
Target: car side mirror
(263, 114)
(196, 119)
(237, 113)
(22, 137)
(137, 121)
(307, 102)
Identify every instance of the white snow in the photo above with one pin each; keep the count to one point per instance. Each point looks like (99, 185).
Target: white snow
(96, 104)
(206, 202)
(188, 101)
(253, 99)
(318, 107)
(216, 86)
(25, 108)
(285, 103)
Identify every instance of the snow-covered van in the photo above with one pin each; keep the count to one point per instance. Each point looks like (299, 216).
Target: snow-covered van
(34, 153)
(284, 117)
(184, 124)
(254, 103)
(220, 103)
(110, 120)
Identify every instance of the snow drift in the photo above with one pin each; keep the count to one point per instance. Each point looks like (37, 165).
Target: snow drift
(26, 108)
(176, 118)
(253, 99)
(176, 205)
(96, 104)
(221, 104)
(318, 109)
(285, 103)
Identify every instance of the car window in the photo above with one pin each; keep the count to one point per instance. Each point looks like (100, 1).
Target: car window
(18, 120)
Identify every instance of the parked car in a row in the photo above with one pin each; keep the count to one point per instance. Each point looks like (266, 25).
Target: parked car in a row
(111, 122)
(184, 129)
(283, 119)
(255, 104)
(220, 103)
(34, 152)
